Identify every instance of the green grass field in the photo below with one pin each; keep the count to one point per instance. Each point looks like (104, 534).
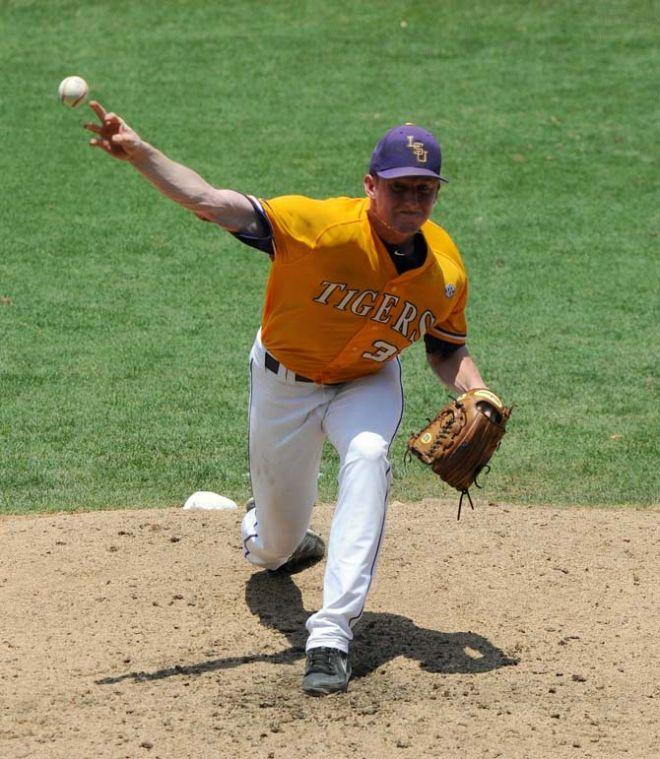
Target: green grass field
(125, 323)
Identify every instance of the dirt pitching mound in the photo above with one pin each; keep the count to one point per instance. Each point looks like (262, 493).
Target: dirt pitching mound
(517, 632)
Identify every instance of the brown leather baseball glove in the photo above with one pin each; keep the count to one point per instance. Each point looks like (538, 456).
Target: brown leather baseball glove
(462, 438)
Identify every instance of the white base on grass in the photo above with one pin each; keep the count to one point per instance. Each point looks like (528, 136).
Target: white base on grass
(205, 500)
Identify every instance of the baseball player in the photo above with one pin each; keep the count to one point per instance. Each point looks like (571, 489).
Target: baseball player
(353, 282)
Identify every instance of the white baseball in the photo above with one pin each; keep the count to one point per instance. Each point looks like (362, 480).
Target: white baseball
(73, 91)
(205, 500)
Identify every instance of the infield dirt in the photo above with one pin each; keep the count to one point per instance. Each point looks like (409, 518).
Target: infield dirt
(517, 632)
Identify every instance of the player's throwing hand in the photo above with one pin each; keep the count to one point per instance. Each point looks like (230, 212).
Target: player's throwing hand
(114, 134)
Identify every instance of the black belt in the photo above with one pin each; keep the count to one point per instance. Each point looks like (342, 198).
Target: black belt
(273, 365)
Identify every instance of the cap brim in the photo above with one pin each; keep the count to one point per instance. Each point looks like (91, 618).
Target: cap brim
(409, 171)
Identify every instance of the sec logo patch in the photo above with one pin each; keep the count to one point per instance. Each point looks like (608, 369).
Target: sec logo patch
(450, 290)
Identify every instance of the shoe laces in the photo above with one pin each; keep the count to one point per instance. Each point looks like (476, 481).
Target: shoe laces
(323, 660)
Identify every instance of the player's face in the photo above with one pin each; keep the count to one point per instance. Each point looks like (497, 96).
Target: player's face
(402, 204)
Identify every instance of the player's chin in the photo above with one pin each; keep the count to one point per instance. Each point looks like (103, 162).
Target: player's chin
(409, 223)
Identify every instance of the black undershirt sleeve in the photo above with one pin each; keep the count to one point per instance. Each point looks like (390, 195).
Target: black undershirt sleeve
(264, 241)
(439, 347)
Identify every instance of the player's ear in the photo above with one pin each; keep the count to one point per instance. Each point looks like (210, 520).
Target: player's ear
(370, 185)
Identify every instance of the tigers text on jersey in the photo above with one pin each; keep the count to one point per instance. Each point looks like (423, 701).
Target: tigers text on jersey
(335, 306)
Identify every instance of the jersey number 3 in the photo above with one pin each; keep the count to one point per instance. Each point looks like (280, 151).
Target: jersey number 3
(382, 351)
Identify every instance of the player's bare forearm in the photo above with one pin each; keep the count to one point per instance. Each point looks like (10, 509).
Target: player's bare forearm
(184, 186)
(456, 370)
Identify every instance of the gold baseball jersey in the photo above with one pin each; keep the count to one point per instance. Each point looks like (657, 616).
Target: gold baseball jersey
(336, 307)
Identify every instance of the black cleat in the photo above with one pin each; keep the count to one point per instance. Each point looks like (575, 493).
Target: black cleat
(328, 670)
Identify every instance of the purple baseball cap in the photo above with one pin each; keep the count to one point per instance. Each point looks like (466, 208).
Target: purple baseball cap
(407, 151)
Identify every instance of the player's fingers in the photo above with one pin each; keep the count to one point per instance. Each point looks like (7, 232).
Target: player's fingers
(98, 109)
(112, 118)
(103, 144)
(93, 128)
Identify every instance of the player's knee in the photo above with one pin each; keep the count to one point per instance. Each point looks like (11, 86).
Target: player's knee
(269, 550)
(368, 446)
(268, 547)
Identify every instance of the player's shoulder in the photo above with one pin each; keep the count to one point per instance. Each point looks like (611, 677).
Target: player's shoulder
(309, 218)
(342, 208)
(441, 244)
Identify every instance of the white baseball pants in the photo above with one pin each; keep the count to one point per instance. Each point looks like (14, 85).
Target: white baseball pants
(289, 422)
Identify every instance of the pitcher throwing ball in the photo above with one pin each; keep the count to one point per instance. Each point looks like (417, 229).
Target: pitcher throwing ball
(353, 282)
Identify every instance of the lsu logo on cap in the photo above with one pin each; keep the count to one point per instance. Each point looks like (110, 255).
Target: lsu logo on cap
(417, 148)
